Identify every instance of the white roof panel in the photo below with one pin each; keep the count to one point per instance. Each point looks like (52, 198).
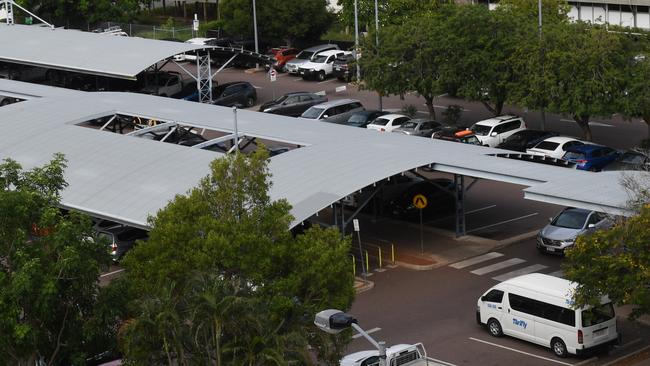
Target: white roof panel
(86, 52)
(129, 178)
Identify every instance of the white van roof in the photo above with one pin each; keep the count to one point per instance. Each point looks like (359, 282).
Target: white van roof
(544, 284)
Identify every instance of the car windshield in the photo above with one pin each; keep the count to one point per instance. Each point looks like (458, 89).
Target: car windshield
(547, 145)
(312, 113)
(409, 125)
(472, 140)
(571, 219)
(320, 59)
(304, 55)
(481, 130)
(380, 121)
(572, 155)
(597, 315)
(281, 99)
(357, 118)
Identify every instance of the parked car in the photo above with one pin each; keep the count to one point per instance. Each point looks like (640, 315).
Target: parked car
(305, 55)
(363, 118)
(335, 111)
(344, 67)
(554, 147)
(630, 160)
(189, 89)
(399, 354)
(164, 83)
(282, 55)
(491, 132)
(292, 104)
(321, 67)
(457, 135)
(388, 122)
(564, 228)
(590, 157)
(525, 139)
(121, 239)
(419, 127)
(237, 93)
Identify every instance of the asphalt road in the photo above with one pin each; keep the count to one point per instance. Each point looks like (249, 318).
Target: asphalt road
(437, 308)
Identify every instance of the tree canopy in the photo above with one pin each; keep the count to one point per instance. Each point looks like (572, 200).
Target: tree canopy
(49, 270)
(277, 20)
(390, 12)
(83, 12)
(613, 262)
(222, 266)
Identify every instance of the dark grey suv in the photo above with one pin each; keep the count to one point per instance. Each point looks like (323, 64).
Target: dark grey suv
(292, 104)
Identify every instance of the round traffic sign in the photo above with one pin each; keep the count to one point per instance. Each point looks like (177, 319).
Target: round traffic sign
(420, 201)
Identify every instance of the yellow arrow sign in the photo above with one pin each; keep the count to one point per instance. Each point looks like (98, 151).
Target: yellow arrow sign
(420, 201)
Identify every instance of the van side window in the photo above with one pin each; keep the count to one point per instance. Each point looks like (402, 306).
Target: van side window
(543, 310)
(494, 296)
(523, 304)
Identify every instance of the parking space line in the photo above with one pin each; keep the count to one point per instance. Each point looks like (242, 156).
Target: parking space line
(326, 81)
(522, 352)
(112, 273)
(502, 222)
(440, 362)
(584, 362)
(497, 266)
(257, 87)
(591, 123)
(373, 330)
(519, 272)
(299, 79)
(475, 260)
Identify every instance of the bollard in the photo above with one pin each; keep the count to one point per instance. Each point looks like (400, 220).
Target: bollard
(367, 262)
(354, 267)
(379, 248)
(392, 253)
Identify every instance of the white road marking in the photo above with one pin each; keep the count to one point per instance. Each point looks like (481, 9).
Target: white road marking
(442, 95)
(112, 273)
(497, 266)
(522, 352)
(440, 362)
(257, 87)
(326, 81)
(519, 272)
(445, 107)
(475, 260)
(502, 222)
(587, 361)
(299, 79)
(559, 274)
(600, 124)
(373, 330)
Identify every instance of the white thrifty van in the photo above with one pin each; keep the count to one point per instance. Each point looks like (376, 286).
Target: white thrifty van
(538, 308)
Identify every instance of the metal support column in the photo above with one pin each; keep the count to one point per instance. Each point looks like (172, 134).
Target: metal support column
(459, 184)
(10, 12)
(204, 73)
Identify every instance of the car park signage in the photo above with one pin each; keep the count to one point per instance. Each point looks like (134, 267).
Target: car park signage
(420, 201)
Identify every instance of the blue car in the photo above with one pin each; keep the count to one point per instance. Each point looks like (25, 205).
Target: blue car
(590, 157)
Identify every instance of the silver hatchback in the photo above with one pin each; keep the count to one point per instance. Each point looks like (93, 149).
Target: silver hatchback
(563, 230)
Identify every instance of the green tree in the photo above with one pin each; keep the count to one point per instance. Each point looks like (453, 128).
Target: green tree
(584, 71)
(49, 269)
(613, 262)
(83, 12)
(277, 20)
(229, 227)
(390, 11)
(636, 96)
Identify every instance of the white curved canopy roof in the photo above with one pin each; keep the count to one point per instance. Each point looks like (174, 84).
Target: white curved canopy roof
(126, 178)
(85, 52)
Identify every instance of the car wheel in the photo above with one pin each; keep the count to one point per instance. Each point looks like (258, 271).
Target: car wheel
(494, 327)
(321, 76)
(558, 347)
(593, 169)
(250, 102)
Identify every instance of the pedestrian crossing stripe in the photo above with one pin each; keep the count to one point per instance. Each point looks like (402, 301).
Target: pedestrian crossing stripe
(476, 260)
(502, 265)
(520, 272)
(497, 266)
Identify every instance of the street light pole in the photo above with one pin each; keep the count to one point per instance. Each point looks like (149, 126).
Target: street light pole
(257, 50)
(377, 44)
(356, 39)
(541, 63)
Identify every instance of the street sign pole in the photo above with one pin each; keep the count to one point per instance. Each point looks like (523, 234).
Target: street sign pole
(420, 202)
(273, 75)
(355, 222)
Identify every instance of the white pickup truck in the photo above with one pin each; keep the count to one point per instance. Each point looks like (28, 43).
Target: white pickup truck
(322, 66)
(164, 83)
(397, 355)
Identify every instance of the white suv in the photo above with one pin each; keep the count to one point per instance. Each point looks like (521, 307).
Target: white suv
(491, 132)
(321, 66)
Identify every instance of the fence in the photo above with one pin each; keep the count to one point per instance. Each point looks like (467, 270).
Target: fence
(182, 33)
